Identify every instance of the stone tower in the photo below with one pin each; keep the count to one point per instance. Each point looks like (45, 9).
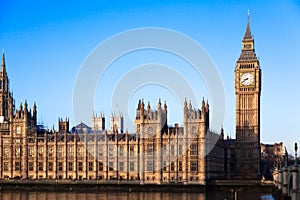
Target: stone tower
(150, 125)
(195, 126)
(63, 125)
(117, 123)
(151, 122)
(98, 122)
(6, 100)
(247, 89)
(16, 128)
(196, 121)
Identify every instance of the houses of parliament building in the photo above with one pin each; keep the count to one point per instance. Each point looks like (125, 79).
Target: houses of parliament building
(155, 153)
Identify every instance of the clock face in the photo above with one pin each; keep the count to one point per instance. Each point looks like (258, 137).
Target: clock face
(247, 79)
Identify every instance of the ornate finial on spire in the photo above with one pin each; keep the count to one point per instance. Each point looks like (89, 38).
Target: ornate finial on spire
(165, 106)
(248, 15)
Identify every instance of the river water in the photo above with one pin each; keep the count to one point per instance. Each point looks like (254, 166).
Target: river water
(23, 195)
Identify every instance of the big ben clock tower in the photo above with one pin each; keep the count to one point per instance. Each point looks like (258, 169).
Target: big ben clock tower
(247, 90)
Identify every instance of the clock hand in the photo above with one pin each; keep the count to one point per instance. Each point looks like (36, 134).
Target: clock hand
(245, 80)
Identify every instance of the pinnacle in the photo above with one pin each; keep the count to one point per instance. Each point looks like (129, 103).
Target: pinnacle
(3, 59)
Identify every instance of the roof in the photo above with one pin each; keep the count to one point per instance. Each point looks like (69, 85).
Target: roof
(248, 35)
(248, 55)
(82, 126)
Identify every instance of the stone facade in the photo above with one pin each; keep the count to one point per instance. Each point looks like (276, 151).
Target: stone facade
(155, 153)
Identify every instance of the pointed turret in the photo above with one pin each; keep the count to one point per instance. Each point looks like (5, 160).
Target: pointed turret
(190, 105)
(143, 105)
(203, 105)
(25, 109)
(25, 104)
(34, 107)
(207, 106)
(4, 81)
(3, 63)
(139, 104)
(185, 108)
(34, 114)
(165, 106)
(159, 104)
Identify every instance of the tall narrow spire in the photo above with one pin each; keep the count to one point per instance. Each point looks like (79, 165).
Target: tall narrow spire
(34, 107)
(3, 62)
(248, 35)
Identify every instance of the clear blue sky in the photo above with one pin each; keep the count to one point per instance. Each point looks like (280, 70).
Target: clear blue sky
(47, 41)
